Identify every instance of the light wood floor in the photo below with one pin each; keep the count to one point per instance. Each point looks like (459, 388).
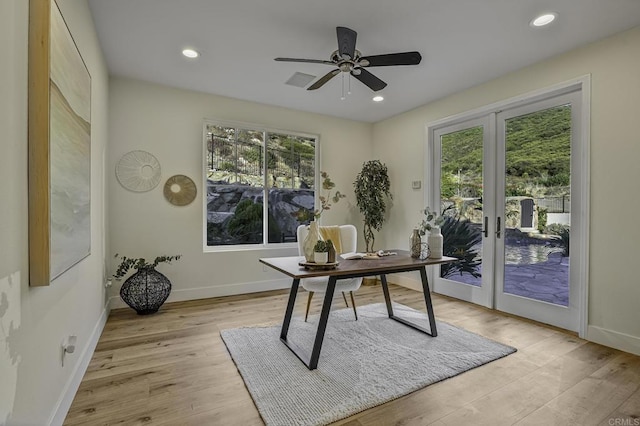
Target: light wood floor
(172, 368)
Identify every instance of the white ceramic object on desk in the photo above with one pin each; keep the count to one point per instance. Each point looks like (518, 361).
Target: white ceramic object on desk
(434, 240)
(320, 257)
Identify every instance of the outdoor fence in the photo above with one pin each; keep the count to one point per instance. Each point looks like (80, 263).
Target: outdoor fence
(555, 204)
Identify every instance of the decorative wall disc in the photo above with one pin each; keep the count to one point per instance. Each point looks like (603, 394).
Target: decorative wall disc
(180, 190)
(138, 171)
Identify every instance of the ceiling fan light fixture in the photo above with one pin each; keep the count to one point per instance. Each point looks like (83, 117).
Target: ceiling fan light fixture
(543, 20)
(190, 53)
(378, 98)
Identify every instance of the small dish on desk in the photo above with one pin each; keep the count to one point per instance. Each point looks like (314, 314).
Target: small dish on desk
(318, 266)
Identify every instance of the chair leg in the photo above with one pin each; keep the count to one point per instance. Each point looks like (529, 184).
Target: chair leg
(345, 299)
(353, 303)
(306, 314)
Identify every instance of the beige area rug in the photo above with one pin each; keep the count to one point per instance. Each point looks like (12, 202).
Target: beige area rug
(363, 363)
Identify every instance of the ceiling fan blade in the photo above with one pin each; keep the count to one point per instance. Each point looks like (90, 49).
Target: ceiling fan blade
(346, 42)
(328, 76)
(311, 61)
(370, 80)
(405, 58)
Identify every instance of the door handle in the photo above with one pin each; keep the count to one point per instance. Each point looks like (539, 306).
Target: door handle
(485, 231)
(498, 227)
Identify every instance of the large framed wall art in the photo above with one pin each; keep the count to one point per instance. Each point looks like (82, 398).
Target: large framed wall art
(59, 147)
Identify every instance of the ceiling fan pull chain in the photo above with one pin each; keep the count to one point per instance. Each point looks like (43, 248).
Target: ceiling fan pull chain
(342, 98)
(349, 83)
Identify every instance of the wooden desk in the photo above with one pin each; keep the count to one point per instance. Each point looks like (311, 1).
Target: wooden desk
(402, 262)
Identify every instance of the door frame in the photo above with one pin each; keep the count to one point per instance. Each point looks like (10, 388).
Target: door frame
(582, 174)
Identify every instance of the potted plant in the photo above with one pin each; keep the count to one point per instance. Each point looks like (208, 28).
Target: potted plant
(430, 222)
(320, 252)
(372, 187)
(147, 289)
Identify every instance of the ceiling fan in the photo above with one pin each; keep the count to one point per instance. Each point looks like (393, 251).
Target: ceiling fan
(349, 60)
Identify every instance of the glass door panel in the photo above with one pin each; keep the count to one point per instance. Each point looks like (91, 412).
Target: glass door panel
(537, 214)
(461, 172)
(536, 146)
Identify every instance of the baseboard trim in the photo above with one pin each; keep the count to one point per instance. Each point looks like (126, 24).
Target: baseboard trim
(69, 392)
(614, 339)
(180, 295)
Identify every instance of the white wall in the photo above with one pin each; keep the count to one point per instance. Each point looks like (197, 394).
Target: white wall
(614, 283)
(168, 122)
(34, 388)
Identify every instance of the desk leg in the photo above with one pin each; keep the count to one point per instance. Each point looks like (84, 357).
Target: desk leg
(289, 312)
(427, 301)
(387, 297)
(322, 324)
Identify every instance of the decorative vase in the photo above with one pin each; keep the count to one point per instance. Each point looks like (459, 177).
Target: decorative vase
(331, 254)
(435, 243)
(310, 241)
(415, 244)
(145, 291)
(320, 257)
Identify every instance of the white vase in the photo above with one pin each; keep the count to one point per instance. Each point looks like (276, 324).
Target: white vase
(310, 241)
(320, 257)
(434, 240)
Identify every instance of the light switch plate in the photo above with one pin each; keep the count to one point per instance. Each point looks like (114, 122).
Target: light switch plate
(416, 184)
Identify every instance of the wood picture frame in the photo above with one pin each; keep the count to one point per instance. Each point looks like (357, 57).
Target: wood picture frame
(59, 146)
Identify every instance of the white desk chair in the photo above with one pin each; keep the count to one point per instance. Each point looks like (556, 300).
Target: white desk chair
(348, 241)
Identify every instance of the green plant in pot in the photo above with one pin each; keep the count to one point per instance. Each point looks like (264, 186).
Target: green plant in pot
(147, 289)
(321, 252)
(372, 188)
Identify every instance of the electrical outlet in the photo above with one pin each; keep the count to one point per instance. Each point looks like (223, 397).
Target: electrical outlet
(68, 346)
(416, 184)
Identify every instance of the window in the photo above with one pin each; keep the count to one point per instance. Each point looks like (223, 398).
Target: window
(260, 184)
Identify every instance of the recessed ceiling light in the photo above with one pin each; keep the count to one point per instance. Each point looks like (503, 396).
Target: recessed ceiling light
(190, 53)
(378, 98)
(544, 19)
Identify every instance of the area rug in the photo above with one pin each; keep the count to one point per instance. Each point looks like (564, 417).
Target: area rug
(363, 363)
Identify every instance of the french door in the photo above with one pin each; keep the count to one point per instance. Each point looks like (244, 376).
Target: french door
(508, 185)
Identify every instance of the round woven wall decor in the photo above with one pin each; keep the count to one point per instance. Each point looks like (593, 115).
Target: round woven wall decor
(180, 190)
(138, 171)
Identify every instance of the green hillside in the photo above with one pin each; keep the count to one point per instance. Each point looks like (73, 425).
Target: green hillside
(538, 155)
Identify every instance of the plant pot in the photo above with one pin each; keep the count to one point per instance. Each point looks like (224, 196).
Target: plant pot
(145, 291)
(320, 257)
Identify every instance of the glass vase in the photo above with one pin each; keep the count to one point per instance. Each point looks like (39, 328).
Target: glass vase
(415, 244)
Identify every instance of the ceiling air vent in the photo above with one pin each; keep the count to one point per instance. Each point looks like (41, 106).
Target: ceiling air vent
(300, 79)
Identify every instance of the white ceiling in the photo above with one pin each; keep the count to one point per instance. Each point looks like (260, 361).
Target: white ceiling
(462, 42)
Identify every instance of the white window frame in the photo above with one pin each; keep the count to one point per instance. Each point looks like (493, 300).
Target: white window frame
(265, 232)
